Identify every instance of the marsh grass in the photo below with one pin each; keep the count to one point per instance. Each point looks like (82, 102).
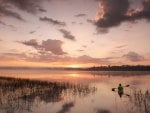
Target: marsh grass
(141, 101)
(21, 94)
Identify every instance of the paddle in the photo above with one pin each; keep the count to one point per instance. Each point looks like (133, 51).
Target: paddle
(113, 89)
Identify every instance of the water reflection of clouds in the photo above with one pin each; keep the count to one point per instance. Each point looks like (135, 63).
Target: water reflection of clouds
(135, 82)
(66, 107)
(96, 90)
(103, 111)
(17, 95)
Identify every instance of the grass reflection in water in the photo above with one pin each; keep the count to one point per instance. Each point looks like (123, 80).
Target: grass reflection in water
(140, 101)
(23, 94)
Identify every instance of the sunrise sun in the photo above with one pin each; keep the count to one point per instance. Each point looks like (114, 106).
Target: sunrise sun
(74, 66)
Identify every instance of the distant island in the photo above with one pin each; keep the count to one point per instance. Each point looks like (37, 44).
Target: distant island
(94, 68)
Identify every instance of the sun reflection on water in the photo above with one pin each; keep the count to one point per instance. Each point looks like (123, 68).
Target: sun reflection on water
(74, 75)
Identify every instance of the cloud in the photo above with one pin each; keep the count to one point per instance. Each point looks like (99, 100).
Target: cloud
(8, 7)
(81, 23)
(113, 12)
(30, 6)
(92, 41)
(2, 23)
(42, 10)
(4, 12)
(101, 30)
(133, 56)
(73, 22)
(31, 32)
(84, 46)
(119, 50)
(80, 15)
(67, 34)
(13, 56)
(90, 21)
(54, 46)
(121, 46)
(49, 45)
(31, 42)
(50, 58)
(5, 24)
(80, 50)
(98, 29)
(66, 107)
(89, 59)
(52, 21)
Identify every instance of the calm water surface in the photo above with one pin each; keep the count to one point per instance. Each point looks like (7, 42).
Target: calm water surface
(49, 91)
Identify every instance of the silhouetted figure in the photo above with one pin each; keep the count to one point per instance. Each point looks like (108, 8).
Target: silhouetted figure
(120, 90)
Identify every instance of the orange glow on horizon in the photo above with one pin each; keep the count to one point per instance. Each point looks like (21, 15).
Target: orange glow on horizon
(74, 66)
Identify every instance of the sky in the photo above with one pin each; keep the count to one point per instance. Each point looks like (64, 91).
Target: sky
(74, 33)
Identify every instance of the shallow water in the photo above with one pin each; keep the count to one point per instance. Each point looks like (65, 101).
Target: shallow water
(54, 91)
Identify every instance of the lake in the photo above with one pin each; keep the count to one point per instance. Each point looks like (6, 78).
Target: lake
(53, 91)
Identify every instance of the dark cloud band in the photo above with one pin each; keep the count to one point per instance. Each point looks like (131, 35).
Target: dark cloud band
(113, 12)
(52, 21)
(67, 34)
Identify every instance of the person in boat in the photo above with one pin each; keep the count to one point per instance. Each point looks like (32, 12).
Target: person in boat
(120, 90)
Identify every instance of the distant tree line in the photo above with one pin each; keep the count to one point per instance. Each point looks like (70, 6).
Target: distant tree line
(94, 68)
(120, 68)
